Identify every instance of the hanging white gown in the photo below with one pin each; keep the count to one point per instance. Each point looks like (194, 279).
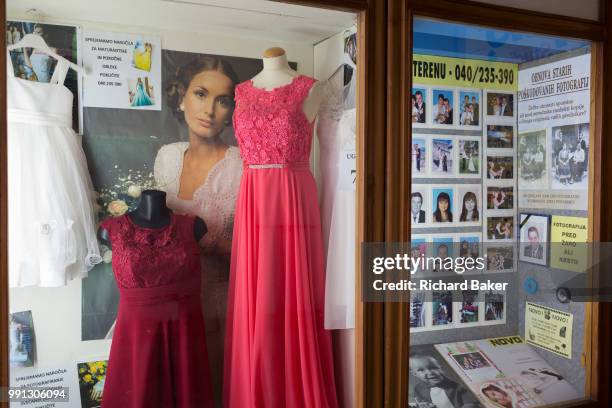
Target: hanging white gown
(336, 132)
(52, 230)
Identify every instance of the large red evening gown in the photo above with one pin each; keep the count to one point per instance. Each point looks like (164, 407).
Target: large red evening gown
(277, 352)
(158, 356)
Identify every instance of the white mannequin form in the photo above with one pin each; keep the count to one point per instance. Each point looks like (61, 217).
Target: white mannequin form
(277, 72)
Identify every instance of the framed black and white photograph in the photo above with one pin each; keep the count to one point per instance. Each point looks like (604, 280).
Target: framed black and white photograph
(534, 231)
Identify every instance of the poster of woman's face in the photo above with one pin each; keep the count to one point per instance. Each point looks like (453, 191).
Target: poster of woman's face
(469, 158)
(500, 167)
(469, 109)
(419, 206)
(442, 157)
(500, 198)
(534, 238)
(500, 137)
(443, 107)
(500, 104)
(419, 105)
(532, 160)
(469, 204)
(129, 151)
(419, 157)
(570, 157)
(442, 199)
(500, 228)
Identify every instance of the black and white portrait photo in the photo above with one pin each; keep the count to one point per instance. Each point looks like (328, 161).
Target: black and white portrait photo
(534, 238)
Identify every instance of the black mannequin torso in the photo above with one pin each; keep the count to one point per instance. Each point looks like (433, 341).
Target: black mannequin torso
(152, 212)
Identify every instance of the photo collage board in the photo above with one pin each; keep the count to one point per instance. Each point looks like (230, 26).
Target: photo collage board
(463, 195)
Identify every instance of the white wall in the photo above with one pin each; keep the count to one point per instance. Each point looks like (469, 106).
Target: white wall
(587, 9)
(57, 311)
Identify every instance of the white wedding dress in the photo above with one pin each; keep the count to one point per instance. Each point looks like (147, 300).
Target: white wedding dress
(336, 132)
(52, 229)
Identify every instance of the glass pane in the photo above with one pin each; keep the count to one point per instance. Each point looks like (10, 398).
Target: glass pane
(195, 245)
(500, 180)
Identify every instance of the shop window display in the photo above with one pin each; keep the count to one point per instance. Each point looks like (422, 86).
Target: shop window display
(215, 281)
(507, 155)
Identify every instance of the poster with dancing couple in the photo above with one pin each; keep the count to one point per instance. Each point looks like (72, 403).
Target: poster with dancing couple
(124, 71)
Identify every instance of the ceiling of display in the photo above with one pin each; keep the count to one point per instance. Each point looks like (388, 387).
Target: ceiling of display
(255, 18)
(446, 39)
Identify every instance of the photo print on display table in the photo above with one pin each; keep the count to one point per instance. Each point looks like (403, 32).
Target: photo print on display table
(419, 106)
(469, 157)
(532, 163)
(442, 157)
(469, 109)
(443, 107)
(570, 156)
(534, 231)
(428, 374)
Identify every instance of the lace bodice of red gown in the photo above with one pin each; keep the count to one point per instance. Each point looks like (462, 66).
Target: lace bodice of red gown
(153, 257)
(270, 126)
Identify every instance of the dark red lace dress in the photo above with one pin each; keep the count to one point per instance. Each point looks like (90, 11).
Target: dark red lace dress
(158, 356)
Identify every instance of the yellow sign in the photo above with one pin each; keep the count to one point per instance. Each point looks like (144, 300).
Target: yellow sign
(466, 73)
(549, 329)
(506, 341)
(568, 248)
